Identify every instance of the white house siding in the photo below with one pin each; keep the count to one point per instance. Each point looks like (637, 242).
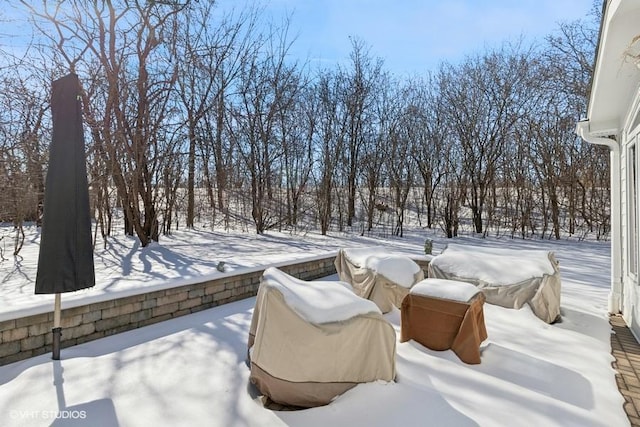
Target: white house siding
(613, 120)
(630, 220)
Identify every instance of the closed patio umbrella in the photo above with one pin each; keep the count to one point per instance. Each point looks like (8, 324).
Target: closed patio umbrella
(65, 261)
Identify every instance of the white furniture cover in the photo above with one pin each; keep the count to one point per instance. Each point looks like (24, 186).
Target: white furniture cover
(311, 341)
(377, 275)
(508, 277)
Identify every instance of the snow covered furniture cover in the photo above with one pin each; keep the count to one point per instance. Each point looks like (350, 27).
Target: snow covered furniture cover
(445, 314)
(378, 276)
(312, 341)
(508, 277)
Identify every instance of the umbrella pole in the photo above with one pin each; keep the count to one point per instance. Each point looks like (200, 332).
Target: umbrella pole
(57, 330)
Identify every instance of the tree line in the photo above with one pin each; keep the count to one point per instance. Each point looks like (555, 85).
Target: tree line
(196, 112)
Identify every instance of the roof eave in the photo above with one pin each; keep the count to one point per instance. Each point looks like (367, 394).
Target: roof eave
(615, 78)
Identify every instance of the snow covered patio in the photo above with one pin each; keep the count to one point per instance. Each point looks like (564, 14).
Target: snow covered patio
(192, 370)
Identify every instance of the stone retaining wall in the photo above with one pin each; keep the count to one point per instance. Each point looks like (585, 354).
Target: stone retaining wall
(30, 336)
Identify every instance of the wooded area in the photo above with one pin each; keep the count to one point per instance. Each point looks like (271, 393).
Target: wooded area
(198, 116)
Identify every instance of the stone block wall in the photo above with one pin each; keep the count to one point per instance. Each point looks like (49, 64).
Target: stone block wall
(30, 336)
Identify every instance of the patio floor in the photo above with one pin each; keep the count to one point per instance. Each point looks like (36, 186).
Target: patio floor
(626, 351)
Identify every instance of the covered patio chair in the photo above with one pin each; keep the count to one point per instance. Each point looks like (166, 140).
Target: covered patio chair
(312, 341)
(377, 275)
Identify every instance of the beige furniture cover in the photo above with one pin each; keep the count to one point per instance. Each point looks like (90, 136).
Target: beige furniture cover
(509, 278)
(445, 314)
(377, 275)
(312, 341)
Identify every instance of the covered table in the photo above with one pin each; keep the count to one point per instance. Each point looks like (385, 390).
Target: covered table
(377, 275)
(508, 277)
(312, 341)
(445, 314)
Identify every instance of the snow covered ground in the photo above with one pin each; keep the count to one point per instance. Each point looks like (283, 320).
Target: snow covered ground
(185, 257)
(192, 370)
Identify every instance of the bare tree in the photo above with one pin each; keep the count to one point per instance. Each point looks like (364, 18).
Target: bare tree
(23, 127)
(453, 191)
(329, 142)
(375, 150)
(564, 82)
(486, 96)
(268, 86)
(128, 42)
(211, 50)
(428, 133)
(298, 126)
(179, 96)
(357, 91)
(397, 136)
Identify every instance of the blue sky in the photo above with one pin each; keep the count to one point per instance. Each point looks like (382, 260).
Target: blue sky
(414, 36)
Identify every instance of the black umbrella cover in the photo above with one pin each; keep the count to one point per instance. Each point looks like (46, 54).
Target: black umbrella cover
(65, 262)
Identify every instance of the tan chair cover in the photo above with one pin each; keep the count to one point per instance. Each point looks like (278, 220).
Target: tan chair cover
(299, 363)
(370, 284)
(542, 292)
(441, 324)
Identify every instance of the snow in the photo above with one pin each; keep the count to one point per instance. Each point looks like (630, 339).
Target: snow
(498, 266)
(358, 256)
(445, 289)
(399, 269)
(124, 269)
(192, 370)
(318, 302)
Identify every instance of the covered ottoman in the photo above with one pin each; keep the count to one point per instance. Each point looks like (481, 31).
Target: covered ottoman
(445, 314)
(378, 276)
(311, 341)
(508, 277)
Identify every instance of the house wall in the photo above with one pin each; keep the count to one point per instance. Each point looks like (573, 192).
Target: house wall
(30, 336)
(630, 285)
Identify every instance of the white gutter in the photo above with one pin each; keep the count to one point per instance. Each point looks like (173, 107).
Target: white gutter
(615, 295)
